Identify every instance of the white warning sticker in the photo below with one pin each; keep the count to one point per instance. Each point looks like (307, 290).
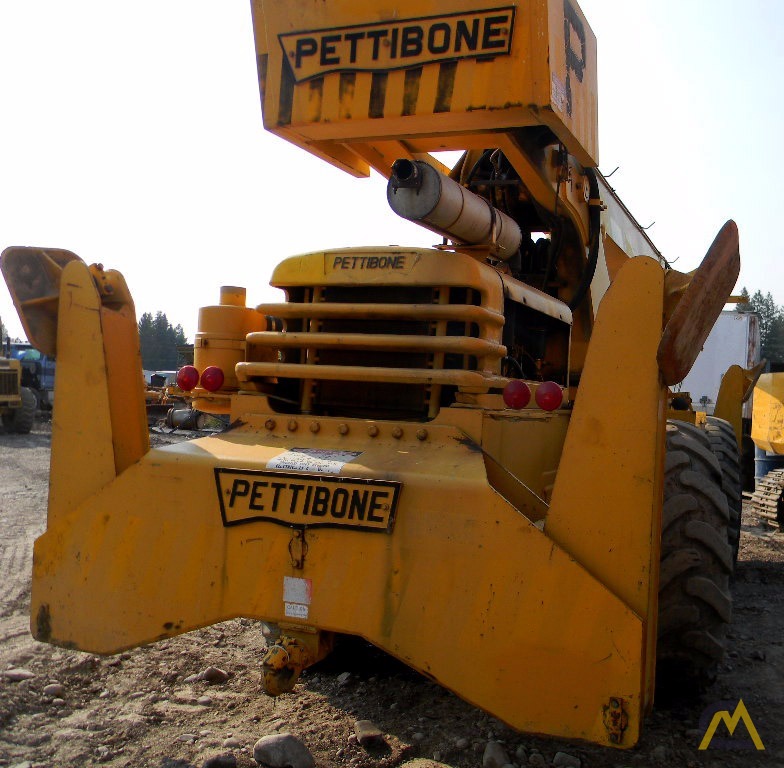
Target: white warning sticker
(297, 590)
(558, 93)
(296, 611)
(313, 460)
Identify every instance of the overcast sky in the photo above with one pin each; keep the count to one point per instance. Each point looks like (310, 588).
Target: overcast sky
(131, 134)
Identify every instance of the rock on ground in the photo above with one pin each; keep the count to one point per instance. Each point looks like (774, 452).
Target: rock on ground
(494, 756)
(282, 750)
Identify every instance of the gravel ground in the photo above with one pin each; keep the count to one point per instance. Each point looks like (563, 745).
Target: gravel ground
(148, 707)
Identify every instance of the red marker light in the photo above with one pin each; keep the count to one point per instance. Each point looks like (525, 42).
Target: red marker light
(212, 378)
(187, 378)
(517, 394)
(549, 396)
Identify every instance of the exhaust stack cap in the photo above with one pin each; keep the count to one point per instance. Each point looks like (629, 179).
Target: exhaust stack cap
(405, 175)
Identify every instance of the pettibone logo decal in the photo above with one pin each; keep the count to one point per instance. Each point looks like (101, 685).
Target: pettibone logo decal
(399, 44)
(393, 261)
(307, 501)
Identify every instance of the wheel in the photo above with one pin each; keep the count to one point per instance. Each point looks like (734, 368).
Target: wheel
(25, 415)
(722, 440)
(695, 605)
(747, 463)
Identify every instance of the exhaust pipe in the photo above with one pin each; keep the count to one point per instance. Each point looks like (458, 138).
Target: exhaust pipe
(418, 192)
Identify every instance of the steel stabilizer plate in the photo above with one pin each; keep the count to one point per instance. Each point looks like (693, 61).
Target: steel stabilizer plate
(461, 579)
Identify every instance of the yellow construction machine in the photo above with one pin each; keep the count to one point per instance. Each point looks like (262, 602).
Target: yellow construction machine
(767, 431)
(17, 403)
(459, 453)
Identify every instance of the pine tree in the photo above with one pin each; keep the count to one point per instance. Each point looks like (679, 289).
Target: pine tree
(159, 342)
(771, 323)
(773, 349)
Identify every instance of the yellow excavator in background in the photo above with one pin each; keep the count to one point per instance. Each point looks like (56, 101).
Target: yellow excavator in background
(459, 453)
(767, 431)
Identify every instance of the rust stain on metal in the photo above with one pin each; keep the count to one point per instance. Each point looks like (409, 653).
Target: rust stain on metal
(43, 624)
(615, 719)
(467, 442)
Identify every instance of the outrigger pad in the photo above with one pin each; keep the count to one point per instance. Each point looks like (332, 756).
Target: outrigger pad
(700, 306)
(33, 279)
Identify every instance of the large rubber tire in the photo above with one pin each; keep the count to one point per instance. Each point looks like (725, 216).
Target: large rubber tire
(722, 440)
(25, 415)
(747, 462)
(695, 605)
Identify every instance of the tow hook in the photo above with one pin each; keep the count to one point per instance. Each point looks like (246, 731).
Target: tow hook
(282, 665)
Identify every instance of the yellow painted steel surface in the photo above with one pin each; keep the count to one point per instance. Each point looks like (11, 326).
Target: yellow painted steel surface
(767, 417)
(469, 379)
(606, 509)
(98, 431)
(535, 624)
(551, 645)
(361, 85)
(222, 333)
(736, 387)
(524, 470)
(510, 555)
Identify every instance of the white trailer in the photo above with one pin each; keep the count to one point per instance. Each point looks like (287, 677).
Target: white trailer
(734, 340)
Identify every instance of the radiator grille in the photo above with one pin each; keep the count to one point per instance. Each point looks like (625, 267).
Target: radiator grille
(9, 382)
(380, 351)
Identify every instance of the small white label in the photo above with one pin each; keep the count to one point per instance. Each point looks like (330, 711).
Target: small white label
(296, 611)
(312, 460)
(297, 590)
(558, 93)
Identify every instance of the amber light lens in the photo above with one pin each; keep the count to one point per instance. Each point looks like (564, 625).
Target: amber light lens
(187, 378)
(212, 378)
(517, 394)
(549, 396)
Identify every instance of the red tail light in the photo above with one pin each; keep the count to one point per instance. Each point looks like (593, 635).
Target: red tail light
(549, 396)
(212, 378)
(187, 378)
(517, 394)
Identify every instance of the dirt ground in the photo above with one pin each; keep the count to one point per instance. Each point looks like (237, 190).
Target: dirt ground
(143, 708)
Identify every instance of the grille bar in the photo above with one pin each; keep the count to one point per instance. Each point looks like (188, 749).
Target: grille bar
(9, 382)
(463, 379)
(463, 313)
(463, 345)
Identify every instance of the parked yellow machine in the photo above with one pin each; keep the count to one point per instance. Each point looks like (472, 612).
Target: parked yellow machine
(458, 452)
(767, 431)
(767, 419)
(17, 403)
